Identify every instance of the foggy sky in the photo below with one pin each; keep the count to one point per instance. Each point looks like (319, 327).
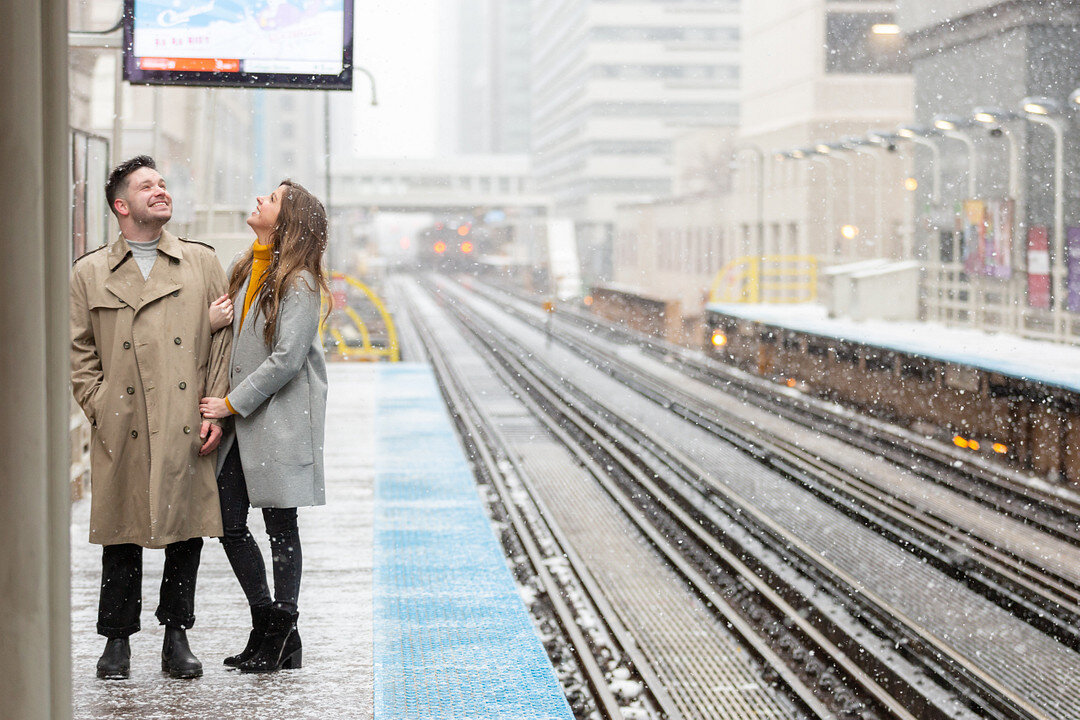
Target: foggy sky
(397, 40)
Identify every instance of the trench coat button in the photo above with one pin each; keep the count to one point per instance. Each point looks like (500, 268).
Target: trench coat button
(177, 340)
(236, 369)
(131, 390)
(187, 429)
(176, 293)
(183, 385)
(127, 345)
(134, 433)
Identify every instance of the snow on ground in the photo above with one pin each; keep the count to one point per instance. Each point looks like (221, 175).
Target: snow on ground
(335, 603)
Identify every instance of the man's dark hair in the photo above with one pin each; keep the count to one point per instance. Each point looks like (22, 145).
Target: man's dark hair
(120, 174)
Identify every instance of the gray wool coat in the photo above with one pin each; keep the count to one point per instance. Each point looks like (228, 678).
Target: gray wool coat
(279, 395)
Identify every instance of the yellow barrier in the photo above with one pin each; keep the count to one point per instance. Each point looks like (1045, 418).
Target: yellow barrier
(766, 279)
(391, 352)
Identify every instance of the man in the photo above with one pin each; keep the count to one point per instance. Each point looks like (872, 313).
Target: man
(142, 355)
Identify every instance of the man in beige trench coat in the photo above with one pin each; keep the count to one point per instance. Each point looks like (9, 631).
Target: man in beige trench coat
(142, 356)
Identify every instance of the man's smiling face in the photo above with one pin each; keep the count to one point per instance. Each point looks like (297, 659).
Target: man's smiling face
(146, 201)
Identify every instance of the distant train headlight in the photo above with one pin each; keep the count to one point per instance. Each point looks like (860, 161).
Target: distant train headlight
(719, 339)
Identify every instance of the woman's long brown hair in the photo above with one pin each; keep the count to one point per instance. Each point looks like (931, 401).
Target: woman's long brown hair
(298, 242)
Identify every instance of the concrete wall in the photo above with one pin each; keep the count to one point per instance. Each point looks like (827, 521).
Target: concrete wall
(789, 100)
(35, 672)
(996, 58)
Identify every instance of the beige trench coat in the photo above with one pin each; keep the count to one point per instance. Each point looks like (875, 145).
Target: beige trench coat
(142, 356)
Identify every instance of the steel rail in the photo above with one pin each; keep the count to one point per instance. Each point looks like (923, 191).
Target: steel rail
(484, 438)
(1002, 699)
(675, 556)
(1046, 600)
(820, 644)
(984, 480)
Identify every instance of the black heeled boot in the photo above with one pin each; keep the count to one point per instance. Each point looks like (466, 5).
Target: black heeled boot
(115, 662)
(260, 616)
(176, 657)
(280, 647)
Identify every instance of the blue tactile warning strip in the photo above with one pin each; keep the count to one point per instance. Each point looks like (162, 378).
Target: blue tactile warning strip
(452, 638)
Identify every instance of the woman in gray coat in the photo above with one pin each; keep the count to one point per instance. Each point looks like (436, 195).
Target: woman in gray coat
(277, 398)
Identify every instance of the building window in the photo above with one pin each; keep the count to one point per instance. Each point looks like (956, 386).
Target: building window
(862, 43)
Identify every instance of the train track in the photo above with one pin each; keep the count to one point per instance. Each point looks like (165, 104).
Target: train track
(1049, 600)
(686, 492)
(990, 483)
(607, 655)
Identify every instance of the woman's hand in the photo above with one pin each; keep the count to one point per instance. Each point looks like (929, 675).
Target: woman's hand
(221, 313)
(214, 407)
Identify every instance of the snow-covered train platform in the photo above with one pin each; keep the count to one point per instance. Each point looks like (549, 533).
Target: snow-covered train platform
(1043, 362)
(407, 608)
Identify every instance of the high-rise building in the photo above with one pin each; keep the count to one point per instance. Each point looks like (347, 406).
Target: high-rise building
(813, 72)
(488, 63)
(511, 104)
(613, 83)
(291, 138)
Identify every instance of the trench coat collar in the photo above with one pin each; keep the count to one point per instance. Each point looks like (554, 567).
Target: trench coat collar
(167, 243)
(126, 281)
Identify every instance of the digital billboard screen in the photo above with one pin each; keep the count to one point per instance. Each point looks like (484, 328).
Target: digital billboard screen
(239, 43)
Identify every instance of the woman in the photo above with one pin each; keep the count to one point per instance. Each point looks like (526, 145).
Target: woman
(274, 459)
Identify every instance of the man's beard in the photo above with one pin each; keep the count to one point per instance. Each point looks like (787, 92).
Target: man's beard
(148, 220)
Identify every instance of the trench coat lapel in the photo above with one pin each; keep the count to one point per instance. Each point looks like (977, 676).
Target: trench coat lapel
(125, 281)
(165, 276)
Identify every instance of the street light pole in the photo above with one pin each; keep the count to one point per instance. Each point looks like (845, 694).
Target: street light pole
(1047, 112)
(995, 121)
(919, 136)
(869, 149)
(950, 128)
(830, 237)
(828, 152)
(326, 132)
(759, 157)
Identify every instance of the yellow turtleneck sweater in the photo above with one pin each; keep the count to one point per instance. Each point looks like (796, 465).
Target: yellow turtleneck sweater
(261, 257)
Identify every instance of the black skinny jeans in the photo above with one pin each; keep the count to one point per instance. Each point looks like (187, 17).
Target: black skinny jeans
(243, 552)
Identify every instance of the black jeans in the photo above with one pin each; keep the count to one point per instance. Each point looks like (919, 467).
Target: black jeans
(120, 603)
(243, 552)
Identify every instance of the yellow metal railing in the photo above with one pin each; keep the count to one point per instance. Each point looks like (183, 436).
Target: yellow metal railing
(367, 351)
(766, 279)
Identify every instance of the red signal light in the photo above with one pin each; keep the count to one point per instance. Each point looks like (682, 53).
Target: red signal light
(466, 247)
(439, 247)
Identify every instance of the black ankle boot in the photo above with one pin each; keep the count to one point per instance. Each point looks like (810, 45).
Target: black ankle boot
(115, 662)
(260, 616)
(280, 647)
(176, 657)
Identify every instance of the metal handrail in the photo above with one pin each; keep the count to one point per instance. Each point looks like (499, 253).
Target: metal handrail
(761, 279)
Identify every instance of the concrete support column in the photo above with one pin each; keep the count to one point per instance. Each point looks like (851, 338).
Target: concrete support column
(35, 665)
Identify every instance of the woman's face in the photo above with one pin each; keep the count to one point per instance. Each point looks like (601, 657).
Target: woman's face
(263, 219)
